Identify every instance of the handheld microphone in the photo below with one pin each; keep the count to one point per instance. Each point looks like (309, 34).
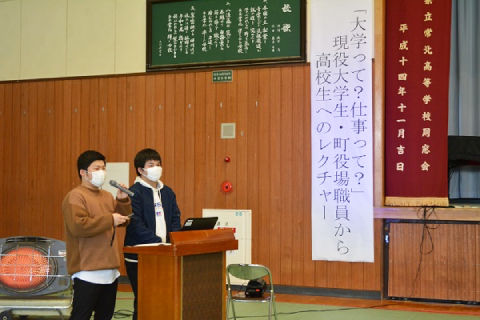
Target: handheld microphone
(114, 183)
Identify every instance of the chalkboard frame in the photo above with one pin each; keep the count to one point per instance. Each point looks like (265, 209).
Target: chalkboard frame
(243, 62)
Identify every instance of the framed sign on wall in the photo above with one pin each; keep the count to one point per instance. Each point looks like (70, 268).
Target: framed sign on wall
(201, 33)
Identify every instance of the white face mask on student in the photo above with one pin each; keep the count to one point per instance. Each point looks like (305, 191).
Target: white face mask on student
(153, 173)
(98, 178)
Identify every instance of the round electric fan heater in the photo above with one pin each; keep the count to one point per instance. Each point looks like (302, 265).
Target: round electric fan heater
(33, 274)
(25, 269)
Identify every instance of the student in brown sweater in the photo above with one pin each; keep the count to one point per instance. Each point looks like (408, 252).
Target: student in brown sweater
(91, 215)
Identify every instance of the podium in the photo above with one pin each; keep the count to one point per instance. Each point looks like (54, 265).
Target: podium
(184, 280)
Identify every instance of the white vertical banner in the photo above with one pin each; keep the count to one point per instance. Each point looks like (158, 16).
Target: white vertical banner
(342, 130)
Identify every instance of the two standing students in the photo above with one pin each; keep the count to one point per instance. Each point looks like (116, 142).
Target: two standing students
(91, 215)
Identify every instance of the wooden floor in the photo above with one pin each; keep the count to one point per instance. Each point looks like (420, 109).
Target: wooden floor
(444, 308)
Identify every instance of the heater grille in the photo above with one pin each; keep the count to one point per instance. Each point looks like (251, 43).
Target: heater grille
(25, 269)
(32, 266)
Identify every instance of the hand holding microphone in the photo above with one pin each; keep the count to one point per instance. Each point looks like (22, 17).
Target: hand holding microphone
(115, 184)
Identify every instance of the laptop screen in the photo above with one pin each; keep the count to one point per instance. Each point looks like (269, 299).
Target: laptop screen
(199, 223)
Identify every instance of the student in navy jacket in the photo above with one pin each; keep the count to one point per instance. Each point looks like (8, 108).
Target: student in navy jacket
(155, 211)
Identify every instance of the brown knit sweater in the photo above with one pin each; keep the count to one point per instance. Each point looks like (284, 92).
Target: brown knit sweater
(89, 229)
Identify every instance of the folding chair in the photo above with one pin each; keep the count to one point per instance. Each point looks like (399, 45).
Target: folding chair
(250, 272)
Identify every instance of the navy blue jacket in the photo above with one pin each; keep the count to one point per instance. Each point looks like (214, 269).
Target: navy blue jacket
(142, 225)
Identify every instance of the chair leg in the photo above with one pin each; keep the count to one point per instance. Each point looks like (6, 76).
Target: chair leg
(230, 301)
(270, 309)
(274, 306)
(233, 310)
(228, 306)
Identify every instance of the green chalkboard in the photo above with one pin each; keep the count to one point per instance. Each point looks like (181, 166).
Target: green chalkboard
(199, 33)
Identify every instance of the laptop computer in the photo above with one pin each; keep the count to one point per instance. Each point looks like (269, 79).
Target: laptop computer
(199, 223)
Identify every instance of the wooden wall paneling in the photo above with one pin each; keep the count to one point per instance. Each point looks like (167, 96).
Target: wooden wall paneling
(460, 262)
(112, 112)
(9, 221)
(344, 275)
(286, 178)
(397, 273)
(392, 262)
(179, 138)
(60, 160)
(426, 267)
(17, 191)
(469, 289)
(453, 277)
(230, 150)
(364, 275)
(298, 183)
(440, 268)
(168, 159)
(141, 120)
(48, 182)
(417, 258)
(309, 268)
(30, 224)
(420, 252)
(463, 262)
(94, 116)
(261, 216)
(65, 148)
(252, 169)
(199, 156)
(103, 138)
(374, 271)
(123, 119)
(477, 261)
(29, 218)
(242, 183)
(270, 162)
(131, 133)
(469, 251)
(76, 135)
(159, 126)
(276, 196)
(403, 241)
(151, 108)
(189, 153)
(88, 120)
(367, 276)
(461, 265)
(412, 242)
(221, 106)
(332, 274)
(357, 276)
(211, 132)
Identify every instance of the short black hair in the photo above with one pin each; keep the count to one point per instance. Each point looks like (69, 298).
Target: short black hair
(143, 156)
(87, 158)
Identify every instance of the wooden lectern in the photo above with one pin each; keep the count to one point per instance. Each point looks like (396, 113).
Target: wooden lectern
(186, 279)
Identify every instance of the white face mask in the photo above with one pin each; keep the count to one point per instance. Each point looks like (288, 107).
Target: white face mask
(153, 173)
(98, 178)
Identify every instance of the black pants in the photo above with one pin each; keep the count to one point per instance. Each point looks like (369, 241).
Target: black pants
(91, 297)
(132, 273)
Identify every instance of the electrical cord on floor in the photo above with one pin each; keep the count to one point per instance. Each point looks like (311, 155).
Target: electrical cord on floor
(326, 310)
(425, 216)
(122, 313)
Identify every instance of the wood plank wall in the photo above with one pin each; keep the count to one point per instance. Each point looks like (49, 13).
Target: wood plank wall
(45, 125)
(434, 261)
